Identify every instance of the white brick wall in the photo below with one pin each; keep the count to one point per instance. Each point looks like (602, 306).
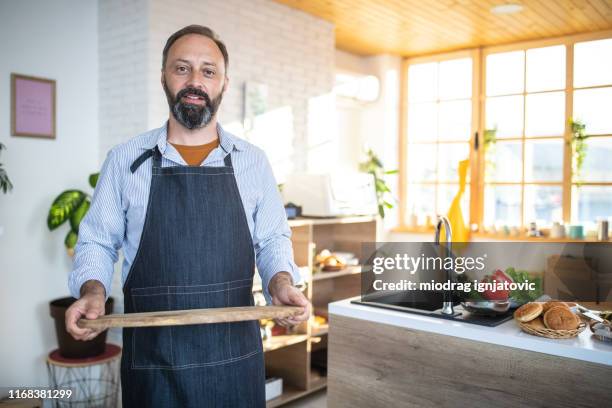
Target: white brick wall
(290, 51)
(122, 53)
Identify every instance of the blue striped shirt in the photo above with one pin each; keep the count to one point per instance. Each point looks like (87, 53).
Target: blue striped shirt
(116, 217)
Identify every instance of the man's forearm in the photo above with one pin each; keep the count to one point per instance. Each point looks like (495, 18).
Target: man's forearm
(93, 287)
(279, 280)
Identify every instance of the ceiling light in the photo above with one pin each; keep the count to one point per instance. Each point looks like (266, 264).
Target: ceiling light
(508, 8)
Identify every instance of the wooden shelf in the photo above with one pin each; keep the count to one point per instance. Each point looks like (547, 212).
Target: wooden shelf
(291, 393)
(319, 331)
(300, 221)
(349, 270)
(289, 357)
(276, 342)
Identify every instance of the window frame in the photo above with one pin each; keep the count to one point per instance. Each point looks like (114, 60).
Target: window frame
(476, 156)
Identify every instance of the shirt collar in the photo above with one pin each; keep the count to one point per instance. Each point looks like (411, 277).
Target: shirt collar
(227, 141)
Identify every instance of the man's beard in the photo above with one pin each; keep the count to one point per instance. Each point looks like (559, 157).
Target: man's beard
(190, 115)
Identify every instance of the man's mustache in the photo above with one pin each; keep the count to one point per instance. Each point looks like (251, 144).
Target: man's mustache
(193, 91)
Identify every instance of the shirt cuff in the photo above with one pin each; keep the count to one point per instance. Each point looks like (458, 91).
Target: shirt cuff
(289, 267)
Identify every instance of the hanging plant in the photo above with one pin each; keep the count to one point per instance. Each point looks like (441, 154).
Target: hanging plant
(579, 147)
(374, 166)
(490, 138)
(5, 182)
(70, 205)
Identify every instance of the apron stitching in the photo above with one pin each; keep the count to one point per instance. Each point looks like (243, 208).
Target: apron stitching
(215, 363)
(170, 330)
(194, 174)
(190, 293)
(190, 286)
(229, 326)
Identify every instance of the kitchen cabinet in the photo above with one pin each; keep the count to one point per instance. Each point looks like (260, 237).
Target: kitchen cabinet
(300, 358)
(381, 357)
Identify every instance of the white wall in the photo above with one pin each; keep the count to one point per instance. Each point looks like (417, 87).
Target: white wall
(56, 40)
(372, 125)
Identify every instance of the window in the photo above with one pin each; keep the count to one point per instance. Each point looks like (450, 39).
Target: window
(440, 107)
(525, 103)
(592, 96)
(527, 93)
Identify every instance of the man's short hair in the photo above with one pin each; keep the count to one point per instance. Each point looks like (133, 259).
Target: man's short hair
(195, 29)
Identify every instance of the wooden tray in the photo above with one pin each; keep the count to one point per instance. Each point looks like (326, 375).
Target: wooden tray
(192, 316)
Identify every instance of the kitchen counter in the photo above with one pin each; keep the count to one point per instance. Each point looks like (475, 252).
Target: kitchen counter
(584, 347)
(382, 357)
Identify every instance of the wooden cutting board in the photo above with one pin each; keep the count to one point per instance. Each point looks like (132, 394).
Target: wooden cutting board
(192, 316)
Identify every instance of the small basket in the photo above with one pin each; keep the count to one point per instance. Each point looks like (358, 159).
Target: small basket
(553, 334)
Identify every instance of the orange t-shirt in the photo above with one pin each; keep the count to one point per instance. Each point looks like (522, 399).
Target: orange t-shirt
(195, 155)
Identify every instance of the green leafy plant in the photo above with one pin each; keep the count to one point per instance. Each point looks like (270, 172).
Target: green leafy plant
(374, 166)
(490, 139)
(5, 182)
(70, 205)
(524, 296)
(579, 146)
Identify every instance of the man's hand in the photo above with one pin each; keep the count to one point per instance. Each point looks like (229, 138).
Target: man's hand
(90, 305)
(284, 293)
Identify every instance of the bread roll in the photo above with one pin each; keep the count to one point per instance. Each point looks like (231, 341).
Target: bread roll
(528, 312)
(561, 318)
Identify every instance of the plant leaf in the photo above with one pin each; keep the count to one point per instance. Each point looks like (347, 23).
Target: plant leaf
(63, 207)
(78, 214)
(71, 239)
(93, 179)
(392, 171)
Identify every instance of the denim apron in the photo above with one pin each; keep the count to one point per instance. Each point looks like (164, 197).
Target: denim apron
(195, 252)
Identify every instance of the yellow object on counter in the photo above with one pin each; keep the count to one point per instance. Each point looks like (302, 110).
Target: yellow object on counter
(461, 233)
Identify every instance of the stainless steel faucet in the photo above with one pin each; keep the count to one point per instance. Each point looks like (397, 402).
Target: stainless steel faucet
(447, 305)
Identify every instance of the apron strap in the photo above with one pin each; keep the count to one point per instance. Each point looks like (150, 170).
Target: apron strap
(228, 160)
(141, 159)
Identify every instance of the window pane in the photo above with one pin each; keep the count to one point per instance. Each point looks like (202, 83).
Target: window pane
(449, 156)
(421, 199)
(593, 63)
(421, 162)
(455, 120)
(446, 194)
(423, 82)
(422, 119)
(456, 79)
(505, 73)
(544, 160)
(590, 203)
(504, 162)
(505, 113)
(543, 204)
(545, 114)
(593, 107)
(546, 68)
(502, 205)
(597, 165)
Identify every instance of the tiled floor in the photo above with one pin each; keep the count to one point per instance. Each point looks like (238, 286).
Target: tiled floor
(316, 400)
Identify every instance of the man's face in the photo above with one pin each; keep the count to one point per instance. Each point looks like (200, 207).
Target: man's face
(194, 80)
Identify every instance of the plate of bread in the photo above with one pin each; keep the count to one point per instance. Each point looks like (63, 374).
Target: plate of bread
(554, 319)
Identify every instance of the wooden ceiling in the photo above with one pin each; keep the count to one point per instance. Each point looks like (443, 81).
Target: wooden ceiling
(418, 27)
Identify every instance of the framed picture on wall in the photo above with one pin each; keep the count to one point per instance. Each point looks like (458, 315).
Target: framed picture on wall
(32, 106)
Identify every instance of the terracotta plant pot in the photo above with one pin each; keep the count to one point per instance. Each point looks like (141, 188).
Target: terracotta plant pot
(68, 346)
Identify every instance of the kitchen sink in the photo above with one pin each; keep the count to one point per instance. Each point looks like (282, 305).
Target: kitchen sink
(429, 304)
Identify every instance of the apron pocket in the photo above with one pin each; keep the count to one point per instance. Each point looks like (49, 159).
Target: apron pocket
(176, 347)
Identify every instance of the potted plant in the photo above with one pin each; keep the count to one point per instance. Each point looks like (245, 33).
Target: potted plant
(5, 182)
(374, 166)
(579, 147)
(71, 206)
